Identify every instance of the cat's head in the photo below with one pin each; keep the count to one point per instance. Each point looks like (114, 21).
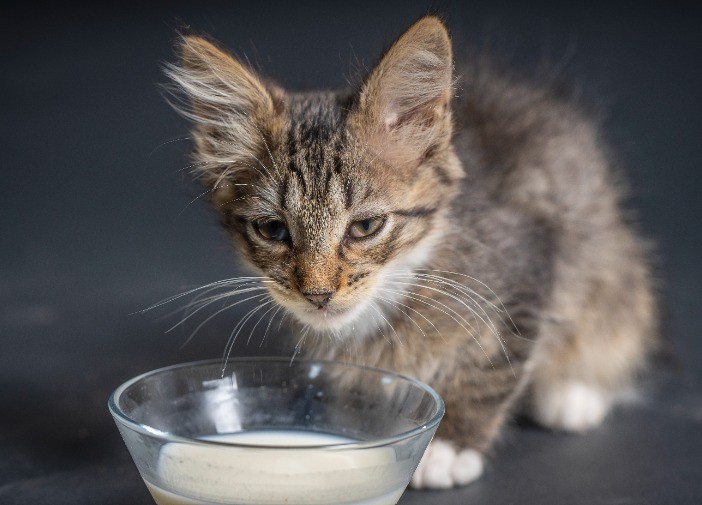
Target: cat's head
(328, 194)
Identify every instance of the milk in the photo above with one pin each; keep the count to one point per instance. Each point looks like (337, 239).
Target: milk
(190, 474)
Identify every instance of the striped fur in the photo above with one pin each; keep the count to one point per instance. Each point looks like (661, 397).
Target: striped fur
(503, 265)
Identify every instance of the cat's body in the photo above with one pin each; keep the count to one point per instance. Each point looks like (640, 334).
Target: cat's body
(482, 251)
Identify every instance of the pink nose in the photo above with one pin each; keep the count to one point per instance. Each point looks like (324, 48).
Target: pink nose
(318, 299)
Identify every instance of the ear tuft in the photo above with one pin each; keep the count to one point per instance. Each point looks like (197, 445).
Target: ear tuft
(232, 111)
(216, 85)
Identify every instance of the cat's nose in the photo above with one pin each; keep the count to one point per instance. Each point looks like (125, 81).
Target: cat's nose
(319, 299)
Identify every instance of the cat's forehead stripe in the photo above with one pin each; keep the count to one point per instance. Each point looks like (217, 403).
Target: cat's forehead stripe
(314, 142)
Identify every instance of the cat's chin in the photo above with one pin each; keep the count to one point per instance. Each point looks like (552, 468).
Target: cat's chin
(341, 321)
(335, 320)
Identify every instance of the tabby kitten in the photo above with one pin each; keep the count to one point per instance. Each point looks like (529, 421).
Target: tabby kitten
(477, 245)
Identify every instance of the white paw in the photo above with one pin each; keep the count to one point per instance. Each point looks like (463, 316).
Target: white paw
(443, 467)
(570, 406)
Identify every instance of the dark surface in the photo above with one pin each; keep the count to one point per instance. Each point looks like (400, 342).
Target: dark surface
(95, 226)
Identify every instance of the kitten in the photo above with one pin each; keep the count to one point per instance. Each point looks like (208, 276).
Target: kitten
(477, 245)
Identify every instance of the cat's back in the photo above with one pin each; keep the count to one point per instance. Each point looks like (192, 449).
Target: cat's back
(541, 198)
(528, 147)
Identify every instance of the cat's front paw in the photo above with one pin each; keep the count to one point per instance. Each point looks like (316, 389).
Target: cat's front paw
(569, 406)
(443, 467)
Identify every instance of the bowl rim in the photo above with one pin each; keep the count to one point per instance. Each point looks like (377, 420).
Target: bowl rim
(119, 415)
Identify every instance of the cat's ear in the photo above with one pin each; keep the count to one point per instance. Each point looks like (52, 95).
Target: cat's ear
(402, 111)
(233, 111)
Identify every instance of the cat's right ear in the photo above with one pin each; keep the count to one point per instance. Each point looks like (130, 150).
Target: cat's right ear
(232, 110)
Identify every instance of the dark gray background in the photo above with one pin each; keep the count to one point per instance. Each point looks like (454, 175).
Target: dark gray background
(96, 225)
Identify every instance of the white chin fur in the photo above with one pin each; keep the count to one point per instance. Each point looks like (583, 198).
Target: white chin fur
(343, 322)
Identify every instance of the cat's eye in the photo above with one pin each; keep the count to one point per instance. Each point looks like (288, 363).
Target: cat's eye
(272, 230)
(366, 227)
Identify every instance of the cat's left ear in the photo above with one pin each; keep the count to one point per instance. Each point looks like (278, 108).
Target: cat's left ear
(403, 109)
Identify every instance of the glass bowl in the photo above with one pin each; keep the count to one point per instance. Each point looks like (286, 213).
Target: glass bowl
(271, 431)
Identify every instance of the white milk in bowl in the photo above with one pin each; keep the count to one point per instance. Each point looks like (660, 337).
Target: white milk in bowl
(203, 474)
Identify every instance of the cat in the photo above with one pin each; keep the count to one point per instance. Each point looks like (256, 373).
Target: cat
(475, 242)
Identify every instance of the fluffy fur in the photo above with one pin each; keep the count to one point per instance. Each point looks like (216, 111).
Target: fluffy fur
(502, 267)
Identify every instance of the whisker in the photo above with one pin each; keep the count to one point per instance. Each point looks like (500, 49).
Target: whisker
(196, 164)
(373, 305)
(418, 297)
(200, 302)
(222, 282)
(380, 330)
(456, 297)
(270, 155)
(269, 325)
(236, 200)
(237, 327)
(414, 297)
(490, 326)
(216, 314)
(257, 288)
(514, 325)
(395, 305)
(237, 146)
(201, 297)
(280, 324)
(446, 280)
(466, 292)
(162, 144)
(215, 188)
(298, 346)
(248, 340)
(232, 336)
(442, 292)
(231, 168)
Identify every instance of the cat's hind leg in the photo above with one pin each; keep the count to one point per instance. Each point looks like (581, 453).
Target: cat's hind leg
(570, 405)
(597, 339)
